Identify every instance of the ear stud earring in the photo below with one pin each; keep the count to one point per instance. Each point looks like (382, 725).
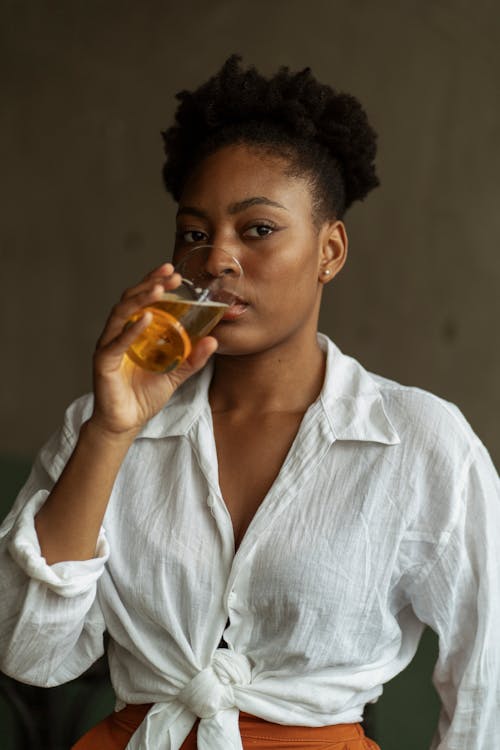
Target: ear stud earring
(326, 272)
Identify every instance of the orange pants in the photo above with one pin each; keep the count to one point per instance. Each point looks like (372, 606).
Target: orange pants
(114, 732)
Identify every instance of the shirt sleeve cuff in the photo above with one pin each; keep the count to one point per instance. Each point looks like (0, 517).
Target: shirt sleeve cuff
(67, 579)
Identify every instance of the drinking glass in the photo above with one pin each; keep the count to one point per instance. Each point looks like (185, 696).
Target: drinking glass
(210, 281)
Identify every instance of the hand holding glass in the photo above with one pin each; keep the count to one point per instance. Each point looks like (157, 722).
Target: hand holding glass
(210, 280)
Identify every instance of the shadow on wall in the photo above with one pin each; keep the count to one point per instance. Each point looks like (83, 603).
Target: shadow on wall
(53, 718)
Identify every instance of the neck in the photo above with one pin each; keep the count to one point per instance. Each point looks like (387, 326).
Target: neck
(277, 379)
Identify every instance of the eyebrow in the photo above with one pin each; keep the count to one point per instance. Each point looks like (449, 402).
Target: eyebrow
(233, 208)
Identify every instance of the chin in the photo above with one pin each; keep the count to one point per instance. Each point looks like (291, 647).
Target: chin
(239, 343)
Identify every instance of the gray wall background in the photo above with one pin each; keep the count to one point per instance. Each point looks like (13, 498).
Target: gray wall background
(86, 88)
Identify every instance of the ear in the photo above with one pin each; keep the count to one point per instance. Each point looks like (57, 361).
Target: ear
(333, 250)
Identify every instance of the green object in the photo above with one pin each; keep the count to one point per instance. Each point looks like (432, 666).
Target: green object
(406, 715)
(13, 474)
(9, 734)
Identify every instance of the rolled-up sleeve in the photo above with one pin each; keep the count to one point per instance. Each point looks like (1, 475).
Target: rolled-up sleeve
(68, 579)
(459, 599)
(51, 626)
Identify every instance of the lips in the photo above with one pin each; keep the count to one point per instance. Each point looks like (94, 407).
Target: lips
(235, 310)
(237, 305)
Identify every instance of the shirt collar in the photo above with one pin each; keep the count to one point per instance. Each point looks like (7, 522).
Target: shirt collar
(351, 401)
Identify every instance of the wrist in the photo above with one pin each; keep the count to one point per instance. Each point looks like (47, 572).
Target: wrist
(106, 437)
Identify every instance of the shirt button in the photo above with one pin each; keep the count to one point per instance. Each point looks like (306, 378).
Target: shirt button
(232, 597)
(210, 501)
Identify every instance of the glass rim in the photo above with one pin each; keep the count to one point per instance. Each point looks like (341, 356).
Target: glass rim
(205, 245)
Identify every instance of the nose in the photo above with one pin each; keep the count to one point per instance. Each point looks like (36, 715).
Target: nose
(220, 262)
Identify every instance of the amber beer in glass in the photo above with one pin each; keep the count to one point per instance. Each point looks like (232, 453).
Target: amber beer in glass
(210, 279)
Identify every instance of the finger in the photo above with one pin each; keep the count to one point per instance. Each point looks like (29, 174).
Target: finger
(168, 281)
(123, 311)
(166, 269)
(112, 353)
(198, 358)
(202, 352)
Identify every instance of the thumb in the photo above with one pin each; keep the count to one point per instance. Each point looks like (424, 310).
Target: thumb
(198, 358)
(201, 353)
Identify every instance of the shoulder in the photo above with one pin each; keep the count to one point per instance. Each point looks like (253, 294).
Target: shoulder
(445, 465)
(430, 422)
(422, 423)
(432, 445)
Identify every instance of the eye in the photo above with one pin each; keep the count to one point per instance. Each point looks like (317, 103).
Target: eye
(259, 230)
(191, 236)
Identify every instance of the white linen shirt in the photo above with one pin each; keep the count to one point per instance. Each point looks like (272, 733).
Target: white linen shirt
(385, 515)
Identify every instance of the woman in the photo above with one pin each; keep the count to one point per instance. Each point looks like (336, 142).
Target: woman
(263, 533)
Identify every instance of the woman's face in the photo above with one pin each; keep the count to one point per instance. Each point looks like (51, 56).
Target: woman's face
(240, 199)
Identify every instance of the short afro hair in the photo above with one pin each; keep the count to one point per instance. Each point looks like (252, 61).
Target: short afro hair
(325, 135)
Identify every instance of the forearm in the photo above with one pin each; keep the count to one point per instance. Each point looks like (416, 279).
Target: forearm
(126, 397)
(68, 523)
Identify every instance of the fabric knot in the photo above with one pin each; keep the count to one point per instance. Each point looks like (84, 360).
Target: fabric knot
(211, 690)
